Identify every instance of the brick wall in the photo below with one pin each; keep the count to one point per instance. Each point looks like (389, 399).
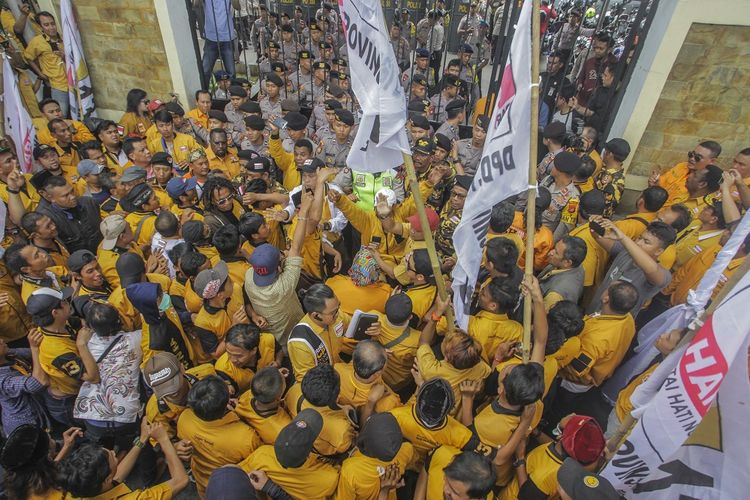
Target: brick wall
(706, 96)
(124, 49)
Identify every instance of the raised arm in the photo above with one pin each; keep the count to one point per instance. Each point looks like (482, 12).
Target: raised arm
(653, 271)
(530, 288)
(91, 370)
(300, 229)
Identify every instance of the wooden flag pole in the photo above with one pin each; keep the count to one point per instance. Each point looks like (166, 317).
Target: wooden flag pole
(614, 443)
(428, 239)
(531, 199)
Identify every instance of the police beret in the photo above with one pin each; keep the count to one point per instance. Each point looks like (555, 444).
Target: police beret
(455, 104)
(325, 45)
(418, 105)
(343, 77)
(335, 90)
(295, 120)
(304, 54)
(250, 107)
(273, 45)
(467, 49)
(419, 121)
(345, 116)
(442, 142)
(618, 147)
(424, 146)
(275, 79)
(286, 27)
(161, 158)
(451, 80)
(278, 66)
(255, 122)
(247, 154)
(340, 62)
(331, 104)
(314, 26)
(464, 181)
(333, 75)
(419, 80)
(484, 122)
(218, 115)
(321, 65)
(567, 162)
(423, 53)
(555, 130)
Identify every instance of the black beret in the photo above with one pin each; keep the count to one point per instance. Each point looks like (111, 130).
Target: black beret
(555, 130)
(255, 122)
(304, 54)
(237, 91)
(442, 141)
(275, 79)
(456, 104)
(250, 107)
(331, 105)
(218, 115)
(464, 181)
(618, 147)
(418, 105)
(567, 162)
(424, 146)
(295, 120)
(345, 116)
(484, 122)
(419, 121)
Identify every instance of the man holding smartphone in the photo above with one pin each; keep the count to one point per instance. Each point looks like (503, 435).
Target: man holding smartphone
(46, 56)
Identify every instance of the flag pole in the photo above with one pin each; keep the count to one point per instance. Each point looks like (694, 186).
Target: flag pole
(531, 199)
(614, 443)
(428, 239)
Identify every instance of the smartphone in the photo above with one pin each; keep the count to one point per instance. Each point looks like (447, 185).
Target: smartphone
(280, 123)
(597, 228)
(375, 240)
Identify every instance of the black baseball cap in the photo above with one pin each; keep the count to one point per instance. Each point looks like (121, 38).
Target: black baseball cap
(380, 437)
(161, 158)
(312, 165)
(554, 130)
(295, 441)
(80, 258)
(434, 402)
(44, 300)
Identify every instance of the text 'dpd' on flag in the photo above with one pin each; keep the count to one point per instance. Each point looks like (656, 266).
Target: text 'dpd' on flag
(504, 168)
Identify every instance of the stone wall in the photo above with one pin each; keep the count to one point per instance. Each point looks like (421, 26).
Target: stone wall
(124, 48)
(706, 96)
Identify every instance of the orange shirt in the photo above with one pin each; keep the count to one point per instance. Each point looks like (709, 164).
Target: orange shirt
(365, 298)
(673, 180)
(544, 241)
(199, 117)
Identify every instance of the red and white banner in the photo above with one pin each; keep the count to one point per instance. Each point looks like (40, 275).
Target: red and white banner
(18, 124)
(80, 91)
(381, 137)
(504, 168)
(691, 438)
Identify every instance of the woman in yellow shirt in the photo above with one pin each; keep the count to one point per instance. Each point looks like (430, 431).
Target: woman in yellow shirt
(136, 120)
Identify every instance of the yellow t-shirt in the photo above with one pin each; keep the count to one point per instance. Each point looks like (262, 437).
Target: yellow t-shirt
(403, 342)
(122, 491)
(133, 124)
(354, 392)
(542, 464)
(108, 260)
(431, 367)
(360, 478)
(211, 324)
(182, 145)
(52, 66)
(490, 330)
(302, 358)
(143, 226)
(422, 298)
(241, 377)
(364, 298)
(230, 164)
(225, 441)
(314, 479)
(59, 358)
(267, 426)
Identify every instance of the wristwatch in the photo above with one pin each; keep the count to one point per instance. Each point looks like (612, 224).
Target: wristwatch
(519, 462)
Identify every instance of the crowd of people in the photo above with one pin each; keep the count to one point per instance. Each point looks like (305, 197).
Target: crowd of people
(214, 296)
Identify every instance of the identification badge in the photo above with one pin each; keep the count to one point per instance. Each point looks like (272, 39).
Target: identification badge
(339, 329)
(570, 214)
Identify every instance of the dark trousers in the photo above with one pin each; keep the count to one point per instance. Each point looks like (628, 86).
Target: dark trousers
(590, 403)
(60, 409)
(436, 58)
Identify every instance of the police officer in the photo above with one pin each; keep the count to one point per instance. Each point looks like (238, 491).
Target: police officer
(323, 130)
(561, 215)
(303, 77)
(270, 104)
(254, 139)
(336, 150)
(441, 100)
(315, 91)
(469, 151)
(273, 55)
(289, 46)
(455, 112)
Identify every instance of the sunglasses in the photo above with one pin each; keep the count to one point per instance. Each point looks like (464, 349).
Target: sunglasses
(695, 156)
(145, 101)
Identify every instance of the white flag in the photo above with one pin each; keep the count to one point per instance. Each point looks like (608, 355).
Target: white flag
(79, 81)
(18, 124)
(381, 137)
(504, 168)
(682, 444)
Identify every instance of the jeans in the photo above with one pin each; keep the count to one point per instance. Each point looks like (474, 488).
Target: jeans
(211, 52)
(62, 99)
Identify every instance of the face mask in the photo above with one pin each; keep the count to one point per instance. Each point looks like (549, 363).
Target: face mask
(166, 301)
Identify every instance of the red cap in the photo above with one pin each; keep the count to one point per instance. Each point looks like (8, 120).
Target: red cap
(432, 218)
(583, 439)
(154, 105)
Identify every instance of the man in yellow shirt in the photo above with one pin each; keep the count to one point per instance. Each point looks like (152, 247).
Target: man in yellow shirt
(361, 381)
(66, 150)
(401, 340)
(702, 188)
(171, 383)
(673, 180)
(176, 144)
(289, 163)
(28, 193)
(705, 232)
(247, 351)
(51, 110)
(262, 406)
(221, 156)
(317, 338)
(45, 54)
(32, 266)
(199, 115)
(651, 200)
(320, 390)
(380, 445)
(450, 473)
(218, 436)
(140, 204)
(291, 463)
